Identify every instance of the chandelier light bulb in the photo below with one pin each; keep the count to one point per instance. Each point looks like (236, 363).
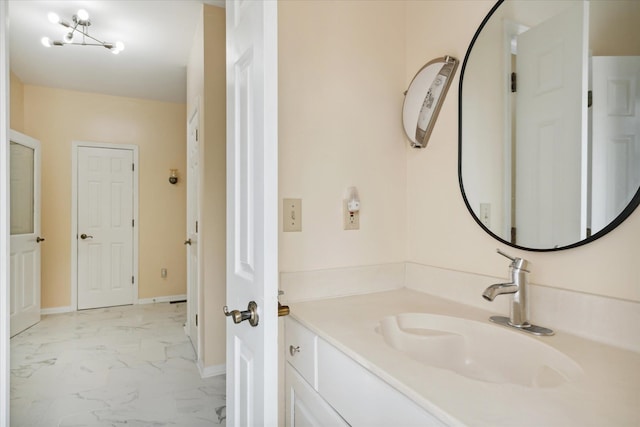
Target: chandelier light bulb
(53, 17)
(68, 38)
(46, 41)
(119, 46)
(83, 15)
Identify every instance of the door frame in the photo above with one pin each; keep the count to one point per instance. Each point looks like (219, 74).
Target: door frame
(75, 145)
(4, 214)
(195, 115)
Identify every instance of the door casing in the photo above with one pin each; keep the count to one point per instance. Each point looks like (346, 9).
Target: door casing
(74, 214)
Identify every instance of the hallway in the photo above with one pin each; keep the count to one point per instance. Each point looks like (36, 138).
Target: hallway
(130, 365)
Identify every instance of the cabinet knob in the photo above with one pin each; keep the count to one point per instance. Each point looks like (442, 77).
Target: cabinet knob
(293, 350)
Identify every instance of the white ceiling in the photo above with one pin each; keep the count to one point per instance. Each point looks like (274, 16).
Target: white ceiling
(157, 36)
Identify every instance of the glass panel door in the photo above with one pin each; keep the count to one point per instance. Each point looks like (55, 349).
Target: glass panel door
(22, 189)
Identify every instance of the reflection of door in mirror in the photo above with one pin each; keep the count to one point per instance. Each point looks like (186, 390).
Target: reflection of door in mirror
(551, 135)
(616, 136)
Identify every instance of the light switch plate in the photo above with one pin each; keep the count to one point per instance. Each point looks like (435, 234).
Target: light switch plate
(292, 215)
(485, 214)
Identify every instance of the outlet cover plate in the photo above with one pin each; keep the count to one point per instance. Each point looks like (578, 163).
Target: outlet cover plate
(350, 221)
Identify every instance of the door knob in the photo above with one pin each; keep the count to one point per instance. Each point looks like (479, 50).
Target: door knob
(39, 239)
(84, 236)
(250, 314)
(187, 242)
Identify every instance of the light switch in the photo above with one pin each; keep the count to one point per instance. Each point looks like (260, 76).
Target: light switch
(485, 214)
(292, 215)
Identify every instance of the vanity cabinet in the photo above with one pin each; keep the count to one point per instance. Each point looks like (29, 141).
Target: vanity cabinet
(325, 387)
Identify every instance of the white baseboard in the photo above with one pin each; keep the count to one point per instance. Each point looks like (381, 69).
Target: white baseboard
(166, 298)
(56, 310)
(211, 371)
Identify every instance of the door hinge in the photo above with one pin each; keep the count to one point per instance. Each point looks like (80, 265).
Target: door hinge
(132, 280)
(196, 134)
(589, 99)
(133, 222)
(196, 226)
(196, 320)
(514, 234)
(514, 82)
(133, 166)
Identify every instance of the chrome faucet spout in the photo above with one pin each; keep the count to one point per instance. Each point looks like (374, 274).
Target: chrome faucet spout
(499, 289)
(519, 309)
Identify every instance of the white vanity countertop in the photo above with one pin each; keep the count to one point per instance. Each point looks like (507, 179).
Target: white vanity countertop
(608, 394)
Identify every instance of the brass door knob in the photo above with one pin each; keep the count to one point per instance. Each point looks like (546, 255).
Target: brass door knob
(39, 239)
(85, 236)
(187, 242)
(283, 310)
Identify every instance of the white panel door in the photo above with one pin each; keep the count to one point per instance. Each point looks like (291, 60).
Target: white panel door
(616, 136)
(551, 131)
(105, 227)
(25, 232)
(193, 214)
(252, 226)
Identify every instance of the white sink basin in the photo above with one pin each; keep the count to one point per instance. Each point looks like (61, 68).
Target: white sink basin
(477, 350)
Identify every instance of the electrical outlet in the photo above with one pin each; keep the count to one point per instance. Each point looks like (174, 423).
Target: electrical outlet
(351, 220)
(485, 214)
(292, 215)
(163, 273)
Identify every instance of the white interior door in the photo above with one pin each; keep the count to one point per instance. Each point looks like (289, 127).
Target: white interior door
(105, 227)
(193, 214)
(25, 232)
(252, 226)
(551, 130)
(616, 136)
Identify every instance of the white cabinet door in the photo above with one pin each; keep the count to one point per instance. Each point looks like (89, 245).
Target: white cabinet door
(25, 232)
(252, 210)
(305, 407)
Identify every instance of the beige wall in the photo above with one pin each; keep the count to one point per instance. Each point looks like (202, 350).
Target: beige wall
(341, 80)
(206, 87)
(342, 69)
(57, 117)
(17, 103)
(442, 233)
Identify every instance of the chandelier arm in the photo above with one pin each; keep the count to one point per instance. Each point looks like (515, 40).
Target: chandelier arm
(86, 34)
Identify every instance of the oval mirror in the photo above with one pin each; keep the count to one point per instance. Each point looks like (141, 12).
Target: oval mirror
(549, 127)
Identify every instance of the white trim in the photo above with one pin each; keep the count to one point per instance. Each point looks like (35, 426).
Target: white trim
(510, 30)
(4, 215)
(57, 310)
(216, 3)
(211, 371)
(166, 298)
(74, 213)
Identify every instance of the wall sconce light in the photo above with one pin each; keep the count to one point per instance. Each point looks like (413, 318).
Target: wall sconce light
(424, 98)
(173, 178)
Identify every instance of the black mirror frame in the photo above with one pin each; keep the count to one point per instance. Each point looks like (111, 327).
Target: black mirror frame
(633, 204)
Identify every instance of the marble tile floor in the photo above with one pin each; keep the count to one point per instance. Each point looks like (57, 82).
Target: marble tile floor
(130, 365)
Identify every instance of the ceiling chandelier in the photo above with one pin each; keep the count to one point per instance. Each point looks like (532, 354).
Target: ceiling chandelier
(80, 26)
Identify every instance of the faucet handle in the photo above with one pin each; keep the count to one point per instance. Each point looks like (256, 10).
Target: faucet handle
(516, 262)
(506, 256)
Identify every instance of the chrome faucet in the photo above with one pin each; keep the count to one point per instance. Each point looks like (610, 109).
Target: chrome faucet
(519, 308)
